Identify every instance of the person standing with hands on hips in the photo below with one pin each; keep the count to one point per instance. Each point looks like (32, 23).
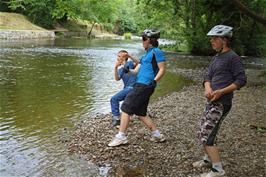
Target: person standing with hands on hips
(225, 75)
(149, 72)
(122, 67)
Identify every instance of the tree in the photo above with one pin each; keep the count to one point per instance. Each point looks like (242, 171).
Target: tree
(249, 13)
(188, 21)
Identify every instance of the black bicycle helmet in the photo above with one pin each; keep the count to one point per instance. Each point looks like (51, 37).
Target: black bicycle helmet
(151, 33)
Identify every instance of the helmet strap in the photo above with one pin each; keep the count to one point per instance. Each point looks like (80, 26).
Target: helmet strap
(224, 45)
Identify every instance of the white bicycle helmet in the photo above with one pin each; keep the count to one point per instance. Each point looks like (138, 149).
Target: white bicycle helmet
(151, 33)
(221, 30)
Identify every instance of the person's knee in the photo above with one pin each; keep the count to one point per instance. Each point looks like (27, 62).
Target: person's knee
(125, 115)
(209, 143)
(113, 99)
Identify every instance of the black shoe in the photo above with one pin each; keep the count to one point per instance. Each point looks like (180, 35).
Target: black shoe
(115, 123)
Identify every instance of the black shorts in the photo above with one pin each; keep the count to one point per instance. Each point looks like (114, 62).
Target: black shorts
(136, 102)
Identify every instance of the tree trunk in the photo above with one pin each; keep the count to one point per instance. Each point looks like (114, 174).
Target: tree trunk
(248, 12)
(89, 34)
(193, 15)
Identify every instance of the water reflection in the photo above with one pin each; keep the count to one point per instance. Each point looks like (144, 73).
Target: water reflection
(45, 87)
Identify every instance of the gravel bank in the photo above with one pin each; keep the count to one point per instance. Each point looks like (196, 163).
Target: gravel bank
(26, 34)
(242, 138)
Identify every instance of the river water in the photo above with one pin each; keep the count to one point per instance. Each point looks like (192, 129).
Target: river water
(48, 85)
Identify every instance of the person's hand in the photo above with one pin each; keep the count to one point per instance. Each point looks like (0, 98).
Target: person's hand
(208, 93)
(216, 95)
(154, 83)
(126, 69)
(127, 55)
(124, 56)
(118, 63)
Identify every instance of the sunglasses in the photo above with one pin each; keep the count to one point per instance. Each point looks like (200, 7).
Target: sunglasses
(144, 39)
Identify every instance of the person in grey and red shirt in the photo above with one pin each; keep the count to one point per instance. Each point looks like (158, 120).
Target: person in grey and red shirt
(225, 75)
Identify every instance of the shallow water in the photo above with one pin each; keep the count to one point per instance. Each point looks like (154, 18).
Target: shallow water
(46, 86)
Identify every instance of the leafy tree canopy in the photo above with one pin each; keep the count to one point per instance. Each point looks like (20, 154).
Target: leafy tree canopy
(186, 21)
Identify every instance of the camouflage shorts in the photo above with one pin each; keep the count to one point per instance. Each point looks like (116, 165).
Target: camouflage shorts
(209, 125)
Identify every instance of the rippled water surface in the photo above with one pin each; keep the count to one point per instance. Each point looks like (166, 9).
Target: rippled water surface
(46, 86)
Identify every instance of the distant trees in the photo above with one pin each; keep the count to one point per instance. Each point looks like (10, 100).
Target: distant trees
(187, 21)
(46, 12)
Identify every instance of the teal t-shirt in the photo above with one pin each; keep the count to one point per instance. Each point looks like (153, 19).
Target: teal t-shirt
(146, 73)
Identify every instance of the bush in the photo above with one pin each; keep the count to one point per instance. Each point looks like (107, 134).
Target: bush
(127, 35)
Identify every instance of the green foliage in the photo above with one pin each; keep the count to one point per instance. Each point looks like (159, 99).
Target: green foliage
(4, 6)
(74, 25)
(186, 21)
(263, 76)
(127, 35)
(45, 12)
(66, 9)
(108, 26)
(126, 23)
(38, 11)
(170, 47)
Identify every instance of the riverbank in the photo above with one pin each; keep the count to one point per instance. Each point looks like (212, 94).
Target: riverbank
(16, 26)
(26, 34)
(242, 137)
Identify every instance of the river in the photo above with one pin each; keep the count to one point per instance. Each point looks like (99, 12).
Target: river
(48, 85)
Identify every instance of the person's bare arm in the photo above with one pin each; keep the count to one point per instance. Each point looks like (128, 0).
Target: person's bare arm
(208, 90)
(134, 59)
(161, 72)
(135, 70)
(218, 93)
(117, 78)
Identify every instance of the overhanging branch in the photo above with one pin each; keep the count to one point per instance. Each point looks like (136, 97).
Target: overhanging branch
(248, 12)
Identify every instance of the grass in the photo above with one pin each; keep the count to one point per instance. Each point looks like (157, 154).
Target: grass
(127, 35)
(263, 76)
(13, 21)
(170, 83)
(180, 47)
(76, 25)
(188, 64)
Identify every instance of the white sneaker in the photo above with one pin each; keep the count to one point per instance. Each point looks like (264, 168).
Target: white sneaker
(201, 163)
(158, 139)
(117, 141)
(213, 174)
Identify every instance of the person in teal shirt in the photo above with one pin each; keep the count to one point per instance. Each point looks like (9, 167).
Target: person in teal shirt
(149, 72)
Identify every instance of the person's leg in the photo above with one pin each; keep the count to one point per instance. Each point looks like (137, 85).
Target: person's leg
(156, 135)
(217, 168)
(125, 119)
(115, 102)
(204, 162)
(210, 147)
(120, 96)
(120, 138)
(213, 153)
(148, 122)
